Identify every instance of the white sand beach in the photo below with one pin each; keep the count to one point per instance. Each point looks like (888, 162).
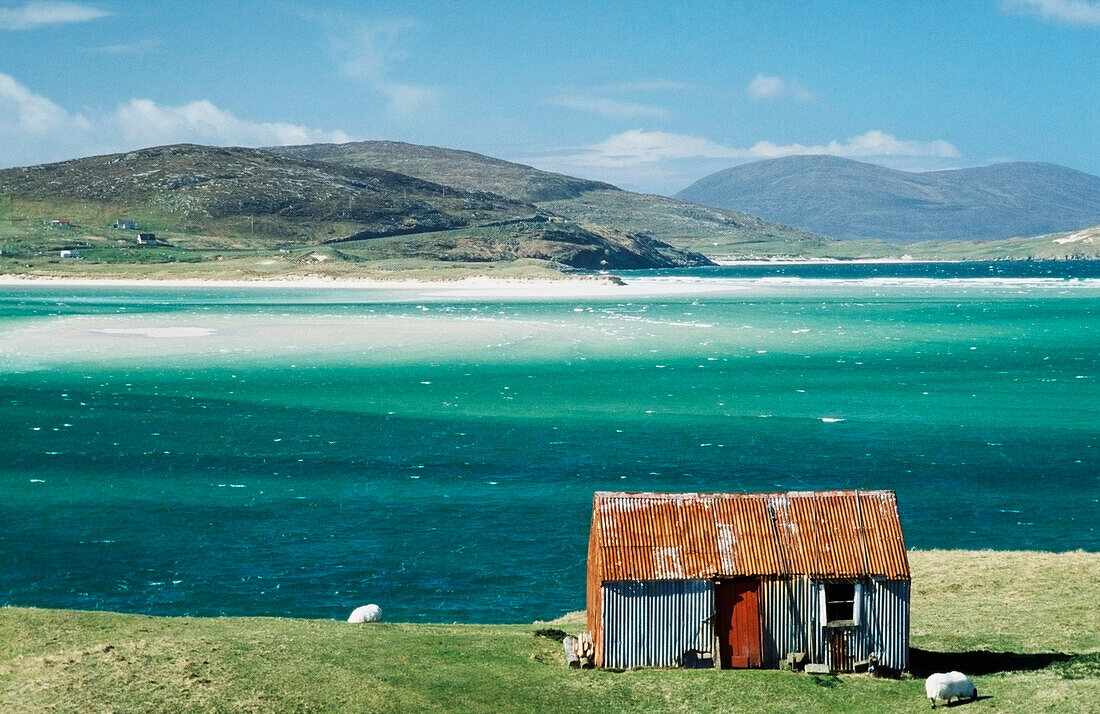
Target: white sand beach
(489, 288)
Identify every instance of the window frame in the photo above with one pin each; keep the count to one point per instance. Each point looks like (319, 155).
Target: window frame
(830, 601)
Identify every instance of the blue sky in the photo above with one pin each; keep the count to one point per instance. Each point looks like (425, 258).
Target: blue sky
(647, 95)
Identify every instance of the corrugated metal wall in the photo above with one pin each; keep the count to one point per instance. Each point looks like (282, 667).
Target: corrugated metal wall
(658, 623)
(786, 612)
(791, 613)
(886, 622)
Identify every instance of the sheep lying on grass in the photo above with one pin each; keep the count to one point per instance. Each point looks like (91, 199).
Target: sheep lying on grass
(948, 686)
(366, 613)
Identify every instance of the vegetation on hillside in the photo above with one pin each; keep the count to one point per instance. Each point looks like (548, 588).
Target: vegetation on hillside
(202, 201)
(452, 167)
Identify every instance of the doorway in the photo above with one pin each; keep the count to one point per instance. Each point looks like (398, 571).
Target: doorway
(737, 622)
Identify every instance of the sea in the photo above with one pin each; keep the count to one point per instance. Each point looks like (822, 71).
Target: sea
(292, 451)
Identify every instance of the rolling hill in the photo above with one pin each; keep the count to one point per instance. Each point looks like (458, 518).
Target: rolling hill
(451, 167)
(704, 229)
(204, 197)
(849, 199)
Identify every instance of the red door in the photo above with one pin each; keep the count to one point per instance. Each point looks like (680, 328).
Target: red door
(738, 622)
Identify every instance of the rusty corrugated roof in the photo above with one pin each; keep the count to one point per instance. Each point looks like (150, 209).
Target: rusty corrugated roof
(824, 534)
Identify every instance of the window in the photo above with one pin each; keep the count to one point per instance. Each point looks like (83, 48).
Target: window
(841, 603)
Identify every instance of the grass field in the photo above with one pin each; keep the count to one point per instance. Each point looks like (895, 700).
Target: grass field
(1025, 624)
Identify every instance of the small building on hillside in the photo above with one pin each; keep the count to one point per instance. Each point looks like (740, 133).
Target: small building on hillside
(147, 239)
(124, 225)
(60, 223)
(748, 579)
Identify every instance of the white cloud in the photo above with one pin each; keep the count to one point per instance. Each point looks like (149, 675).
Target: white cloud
(34, 129)
(370, 54)
(665, 162)
(638, 147)
(873, 143)
(764, 86)
(610, 108)
(38, 14)
(143, 122)
(23, 111)
(1066, 12)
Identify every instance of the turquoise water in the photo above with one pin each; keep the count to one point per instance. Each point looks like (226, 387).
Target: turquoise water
(281, 451)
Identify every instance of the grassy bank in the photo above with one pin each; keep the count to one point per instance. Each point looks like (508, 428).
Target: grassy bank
(1024, 623)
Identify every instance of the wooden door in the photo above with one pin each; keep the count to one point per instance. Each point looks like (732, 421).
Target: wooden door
(737, 625)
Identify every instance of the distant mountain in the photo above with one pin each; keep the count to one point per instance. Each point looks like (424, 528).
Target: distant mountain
(849, 199)
(708, 230)
(213, 197)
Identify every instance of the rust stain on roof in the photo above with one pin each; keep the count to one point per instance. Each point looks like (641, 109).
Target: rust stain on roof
(823, 534)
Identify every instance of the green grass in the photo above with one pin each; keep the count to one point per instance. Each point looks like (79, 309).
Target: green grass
(1020, 610)
(240, 248)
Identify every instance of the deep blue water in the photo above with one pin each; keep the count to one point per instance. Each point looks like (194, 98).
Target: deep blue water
(286, 452)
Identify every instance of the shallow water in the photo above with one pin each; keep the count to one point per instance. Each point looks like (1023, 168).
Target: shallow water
(287, 452)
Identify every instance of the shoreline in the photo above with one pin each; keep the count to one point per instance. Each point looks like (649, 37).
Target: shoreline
(1046, 558)
(595, 284)
(736, 262)
(566, 286)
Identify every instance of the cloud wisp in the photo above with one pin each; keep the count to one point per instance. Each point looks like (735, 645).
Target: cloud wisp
(610, 108)
(1081, 13)
(128, 48)
(619, 100)
(369, 55)
(40, 14)
(33, 128)
(765, 86)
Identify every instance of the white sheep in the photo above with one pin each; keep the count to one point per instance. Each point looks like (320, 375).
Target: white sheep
(948, 686)
(366, 613)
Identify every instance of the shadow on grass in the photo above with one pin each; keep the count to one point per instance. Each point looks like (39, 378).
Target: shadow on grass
(977, 662)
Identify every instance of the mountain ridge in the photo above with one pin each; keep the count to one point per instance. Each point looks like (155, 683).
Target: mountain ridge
(850, 199)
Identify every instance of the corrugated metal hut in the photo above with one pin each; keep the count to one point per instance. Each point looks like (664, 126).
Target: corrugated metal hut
(745, 579)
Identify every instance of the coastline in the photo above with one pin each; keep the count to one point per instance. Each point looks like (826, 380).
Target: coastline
(565, 286)
(466, 288)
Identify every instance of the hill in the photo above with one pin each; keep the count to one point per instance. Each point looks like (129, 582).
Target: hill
(708, 230)
(1076, 245)
(1039, 653)
(212, 198)
(849, 199)
(452, 167)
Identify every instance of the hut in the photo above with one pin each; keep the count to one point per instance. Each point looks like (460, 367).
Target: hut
(147, 239)
(733, 580)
